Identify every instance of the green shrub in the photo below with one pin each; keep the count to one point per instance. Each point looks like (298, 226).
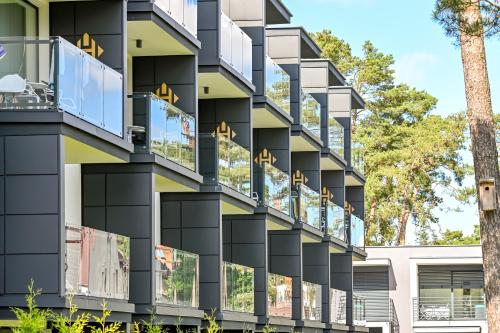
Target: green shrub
(68, 323)
(34, 319)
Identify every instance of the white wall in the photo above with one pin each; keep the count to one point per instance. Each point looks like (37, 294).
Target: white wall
(73, 194)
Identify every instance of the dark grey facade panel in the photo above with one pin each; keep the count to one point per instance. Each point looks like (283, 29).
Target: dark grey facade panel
(275, 140)
(295, 95)
(31, 234)
(32, 194)
(208, 31)
(341, 271)
(31, 155)
(335, 182)
(309, 164)
(20, 269)
(355, 195)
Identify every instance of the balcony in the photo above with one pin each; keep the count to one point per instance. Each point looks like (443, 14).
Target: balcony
(184, 12)
(236, 47)
(275, 187)
(357, 232)
(358, 310)
(311, 301)
(277, 85)
(238, 288)
(169, 132)
(338, 306)
(307, 206)
(311, 114)
(177, 277)
(335, 225)
(279, 298)
(225, 162)
(54, 75)
(393, 317)
(335, 136)
(357, 158)
(97, 263)
(451, 308)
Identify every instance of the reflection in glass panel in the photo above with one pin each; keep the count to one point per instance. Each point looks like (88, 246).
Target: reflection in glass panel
(335, 220)
(92, 92)
(279, 295)
(69, 79)
(357, 159)
(307, 206)
(311, 301)
(357, 232)
(335, 136)
(97, 263)
(311, 114)
(238, 288)
(338, 306)
(236, 47)
(358, 310)
(277, 85)
(276, 188)
(233, 165)
(225, 42)
(113, 102)
(177, 277)
(158, 130)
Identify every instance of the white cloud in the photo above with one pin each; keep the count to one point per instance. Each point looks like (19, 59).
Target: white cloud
(416, 68)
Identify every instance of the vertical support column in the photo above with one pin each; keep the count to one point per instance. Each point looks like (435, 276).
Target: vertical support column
(295, 91)
(257, 34)
(341, 278)
(355, 195)
(285, 258)
(31, 216)
(335, 182)
(119, 199)
(245, 243)
(317, 270)
(192, 222)
(309, 164)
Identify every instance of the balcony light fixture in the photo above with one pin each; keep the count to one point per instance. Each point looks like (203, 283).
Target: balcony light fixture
(206, 90)
(138, 43)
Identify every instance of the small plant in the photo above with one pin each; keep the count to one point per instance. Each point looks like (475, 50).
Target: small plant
(213, 327)
(149, 326)
(269, 329)
(101, 326)
(70, 324)
(34, 319)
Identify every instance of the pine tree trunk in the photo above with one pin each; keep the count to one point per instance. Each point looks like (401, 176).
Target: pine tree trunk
(403, 222)
(482, 129)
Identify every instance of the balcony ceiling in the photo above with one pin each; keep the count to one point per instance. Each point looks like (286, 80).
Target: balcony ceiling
(155, 41)
(164, 184)
(219, 86)
(351, 180)
(328, 163)
(299, 143)
(77, 152)
(263, 118)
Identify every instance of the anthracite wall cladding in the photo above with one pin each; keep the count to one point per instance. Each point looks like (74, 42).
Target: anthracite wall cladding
(177, 72)
(71, 20)
(119, 199)
(245, 243)
(192, 222)
(355, 195)
(258, 36)
(295, 94)
(309, 164)
(316, 259)
(335, 182)
(208, 31)
(341, 271)
(285, 258)
(30, 213)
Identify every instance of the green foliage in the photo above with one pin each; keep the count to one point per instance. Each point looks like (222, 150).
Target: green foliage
(450, 15)
(34, 319)
(70, 324)
(409, 151)
(457, 237)
(102, 326)
(269, 329)
(213, 326)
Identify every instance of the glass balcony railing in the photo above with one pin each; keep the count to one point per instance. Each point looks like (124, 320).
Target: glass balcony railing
(169, 132)
(358, 310)
(357, 232)
(306, 206)
(335, 220)
(357, 159)
(449, 308)
(335, 136)
(238, 288)
(338, 306)
(225, 162)
(177, 277)
(311, 114)
(276, 187)
(279, 297)
(184, 12)
(236, 47)
(311, 301)
(97, 263)
(277, 85)
(53, 74)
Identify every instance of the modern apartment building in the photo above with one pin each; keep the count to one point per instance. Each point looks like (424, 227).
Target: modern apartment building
(416, 289)
(179, 157)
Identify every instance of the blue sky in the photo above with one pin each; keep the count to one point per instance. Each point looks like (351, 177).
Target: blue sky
(425, 57)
